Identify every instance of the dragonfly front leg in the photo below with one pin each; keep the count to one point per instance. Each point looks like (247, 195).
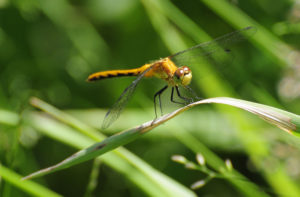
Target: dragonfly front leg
(187, 100)
(172, 97)
(158, 94)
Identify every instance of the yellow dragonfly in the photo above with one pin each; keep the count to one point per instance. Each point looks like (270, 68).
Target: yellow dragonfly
(172, 69)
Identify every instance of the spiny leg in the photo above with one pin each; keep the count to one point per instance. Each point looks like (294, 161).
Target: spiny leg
(172, 98)
(158, 94)
(187, 100)
(179, 95)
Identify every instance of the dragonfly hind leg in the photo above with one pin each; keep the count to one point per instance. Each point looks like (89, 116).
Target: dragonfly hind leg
(158, 94)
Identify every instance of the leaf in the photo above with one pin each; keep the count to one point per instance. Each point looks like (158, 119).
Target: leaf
(282, 119)
(75, 133)
(32, 188)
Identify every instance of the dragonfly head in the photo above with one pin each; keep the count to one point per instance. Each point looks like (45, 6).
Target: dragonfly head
(183, 76)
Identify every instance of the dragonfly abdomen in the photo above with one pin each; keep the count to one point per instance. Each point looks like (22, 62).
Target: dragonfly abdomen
(113, 73)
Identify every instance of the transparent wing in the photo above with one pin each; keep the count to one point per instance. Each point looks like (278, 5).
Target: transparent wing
(215, 50)
(115, 111)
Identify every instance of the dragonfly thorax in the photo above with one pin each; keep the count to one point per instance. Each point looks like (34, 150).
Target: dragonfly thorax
(183, 76)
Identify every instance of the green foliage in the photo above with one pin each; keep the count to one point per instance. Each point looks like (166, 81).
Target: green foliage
(48, 48)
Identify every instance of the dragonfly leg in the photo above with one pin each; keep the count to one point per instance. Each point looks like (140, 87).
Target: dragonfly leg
(172, 97)
(187, 100)
(158, 94)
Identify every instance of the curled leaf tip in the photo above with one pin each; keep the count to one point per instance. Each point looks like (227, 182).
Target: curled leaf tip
(278, 117)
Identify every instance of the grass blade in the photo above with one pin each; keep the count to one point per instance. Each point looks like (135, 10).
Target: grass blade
(30, 187)
(284, 120)
(147, 178)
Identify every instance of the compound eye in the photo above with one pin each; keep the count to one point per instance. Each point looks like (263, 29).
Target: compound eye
(179, 73)
(186, 70)
(183, 75)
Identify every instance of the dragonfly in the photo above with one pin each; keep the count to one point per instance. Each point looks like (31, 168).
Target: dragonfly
(174, 70)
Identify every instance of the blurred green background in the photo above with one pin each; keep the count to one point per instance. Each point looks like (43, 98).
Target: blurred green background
(48, 48)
